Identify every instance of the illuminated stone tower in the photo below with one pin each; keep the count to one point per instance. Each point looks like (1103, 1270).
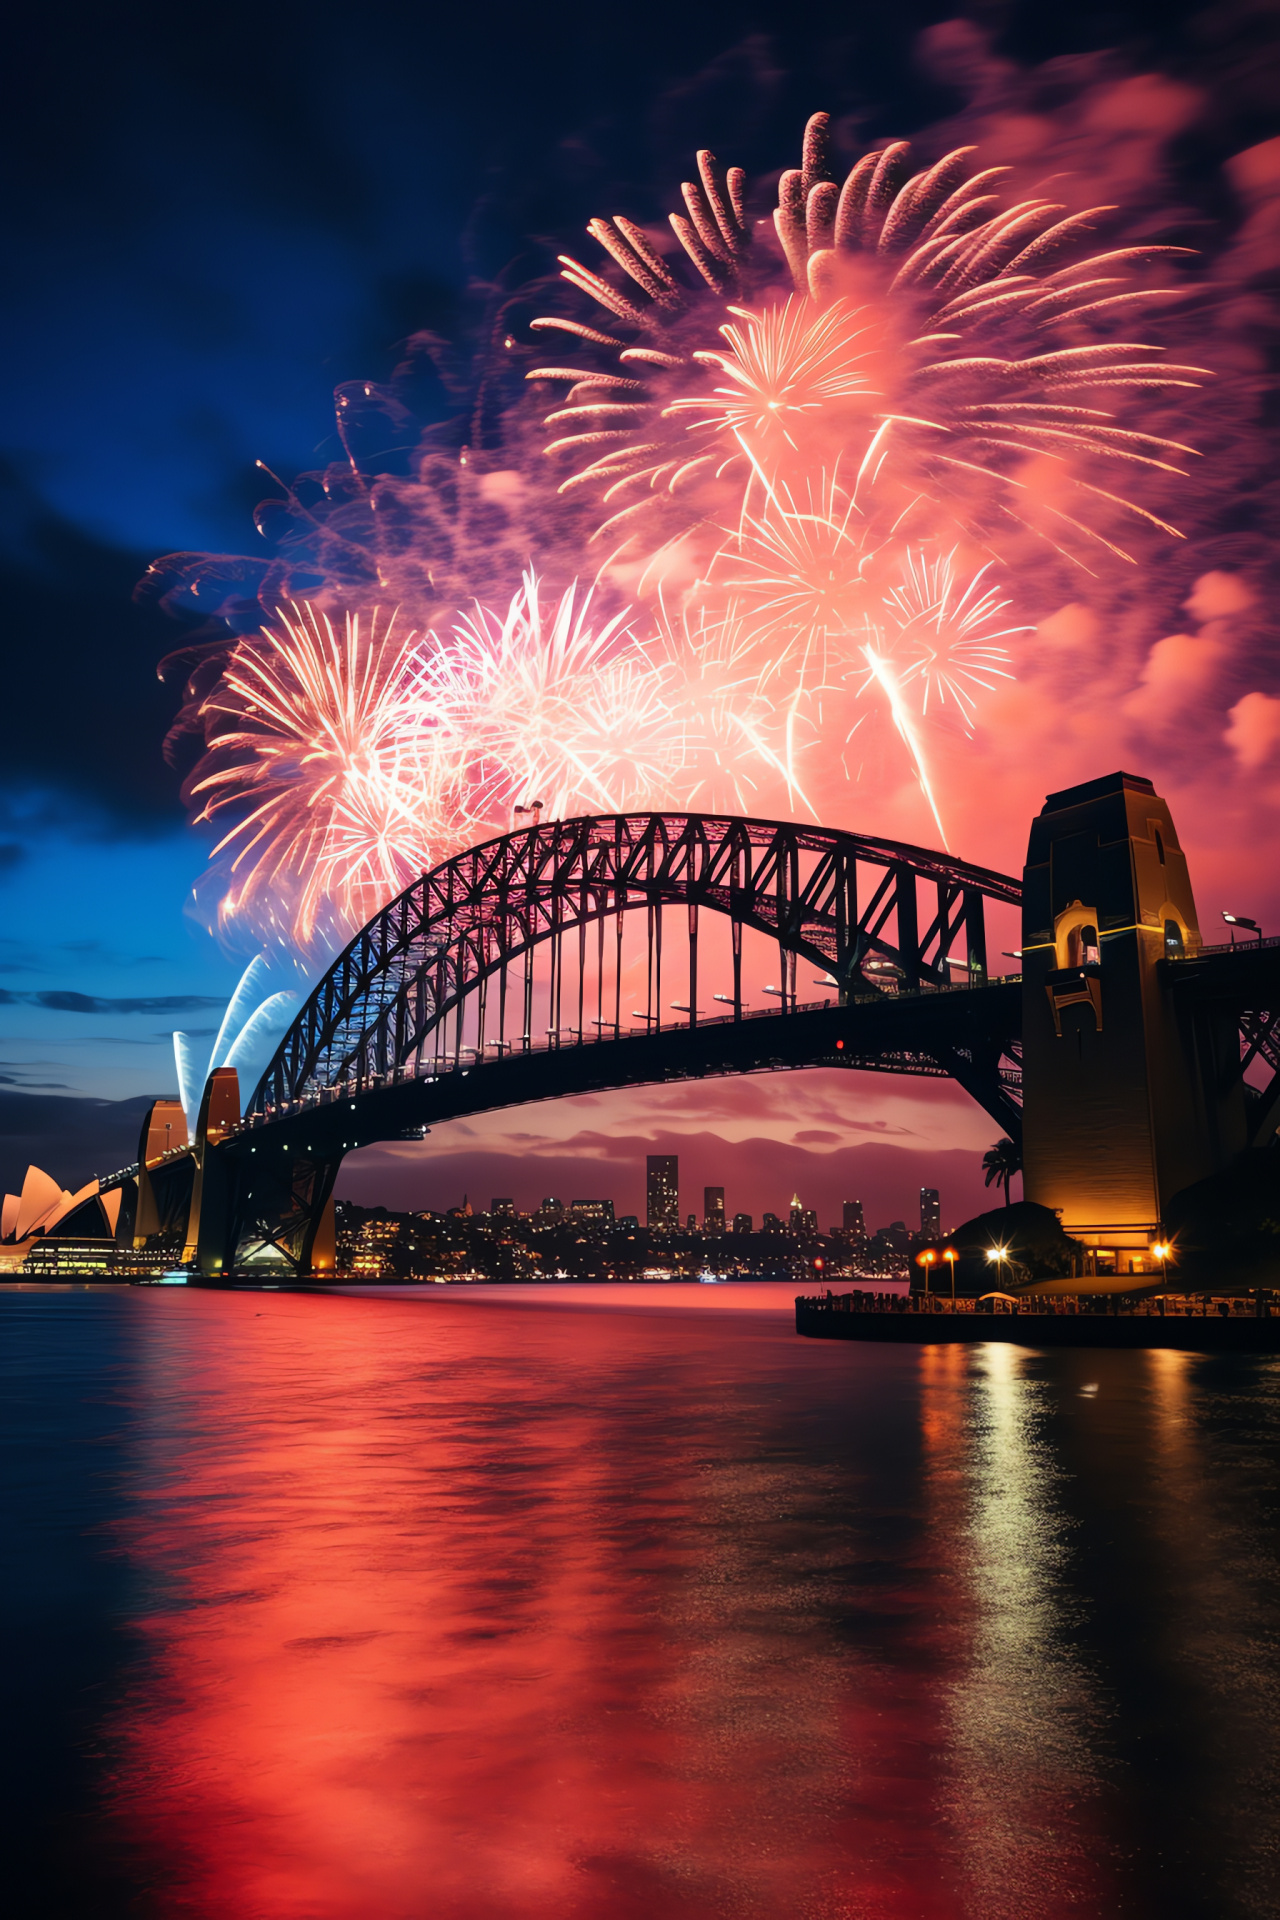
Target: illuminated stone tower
(1120, 1107)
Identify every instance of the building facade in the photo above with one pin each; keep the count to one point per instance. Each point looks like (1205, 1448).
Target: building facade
(662, 1192)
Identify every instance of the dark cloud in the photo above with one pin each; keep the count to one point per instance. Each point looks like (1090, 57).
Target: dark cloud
(72, 1138)
(60, 1002)
(79, 665)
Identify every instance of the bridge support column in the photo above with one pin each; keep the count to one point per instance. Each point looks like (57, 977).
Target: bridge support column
(1117, 1113)
(267, 1208)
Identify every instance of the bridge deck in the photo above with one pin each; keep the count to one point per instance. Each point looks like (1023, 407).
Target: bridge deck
(941, 1032)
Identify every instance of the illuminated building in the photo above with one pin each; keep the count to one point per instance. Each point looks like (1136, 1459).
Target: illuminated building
(1121, 1106)
(802, 1219)
(49, 1258)
(713, 1209)
(662, 1192)
(930, 1213)
(597, 1211)
(44, 1210)
(502, 1209)
(742, 1223)
(854, 1220)
(374, 1248)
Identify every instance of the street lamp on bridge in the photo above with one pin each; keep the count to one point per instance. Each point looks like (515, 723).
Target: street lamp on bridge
(1235, 920)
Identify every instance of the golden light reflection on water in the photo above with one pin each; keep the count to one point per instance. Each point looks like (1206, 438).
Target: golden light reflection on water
(524, 1612)
(1024, 1773)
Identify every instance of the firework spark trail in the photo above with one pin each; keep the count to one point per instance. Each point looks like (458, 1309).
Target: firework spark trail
(549, 703)
(730, 731)
(935, 249)
(327, 758)
(900, 364)
(946, 627)
(882, 673)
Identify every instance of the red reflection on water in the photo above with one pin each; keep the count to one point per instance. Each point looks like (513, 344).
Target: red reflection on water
(563, 1612)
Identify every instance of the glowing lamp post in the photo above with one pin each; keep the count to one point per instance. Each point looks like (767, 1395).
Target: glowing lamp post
(926, 1260)
(950, 1255)
(996, 1257)
(1162, 1249)
(1235, 920)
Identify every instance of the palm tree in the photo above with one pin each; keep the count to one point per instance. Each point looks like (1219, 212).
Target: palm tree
(1001, 1162)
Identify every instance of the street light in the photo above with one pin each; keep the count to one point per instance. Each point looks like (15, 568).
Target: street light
(1235, 920)
(950, 1255)
(1162, 1251)
(926, 1260)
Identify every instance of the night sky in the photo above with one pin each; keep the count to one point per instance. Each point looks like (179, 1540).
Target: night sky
(212, 216)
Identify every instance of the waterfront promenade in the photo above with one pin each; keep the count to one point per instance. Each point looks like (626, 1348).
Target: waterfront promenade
(1200, 1323)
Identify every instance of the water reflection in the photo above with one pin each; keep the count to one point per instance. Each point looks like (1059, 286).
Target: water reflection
(510, 1611)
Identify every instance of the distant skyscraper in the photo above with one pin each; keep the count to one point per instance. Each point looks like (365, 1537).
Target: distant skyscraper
(854, 1221)
(552, 1206)
(505, 1207)
(801, 1219)
(930, 1214)
(742, 1223)
(662, 1192)
(713, 1209)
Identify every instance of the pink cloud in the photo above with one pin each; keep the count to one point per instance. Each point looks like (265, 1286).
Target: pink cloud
(1254, 732)
(1179, 671)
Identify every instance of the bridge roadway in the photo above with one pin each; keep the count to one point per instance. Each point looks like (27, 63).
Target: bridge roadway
(952, 1032)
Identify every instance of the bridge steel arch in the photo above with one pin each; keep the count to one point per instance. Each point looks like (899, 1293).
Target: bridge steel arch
(377, 1052)
(388, 998)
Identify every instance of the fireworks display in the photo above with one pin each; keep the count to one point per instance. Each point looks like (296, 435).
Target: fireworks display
(791, 471)
(321, 755)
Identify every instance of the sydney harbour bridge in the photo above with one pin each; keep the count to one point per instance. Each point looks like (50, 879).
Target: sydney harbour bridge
(1124, 1057)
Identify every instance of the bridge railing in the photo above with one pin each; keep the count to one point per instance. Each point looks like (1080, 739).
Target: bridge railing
(1172, 1306)
(525, 1044)
(1229, 946)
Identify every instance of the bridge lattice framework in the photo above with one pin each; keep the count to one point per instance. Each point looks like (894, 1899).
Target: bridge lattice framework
(882, 918)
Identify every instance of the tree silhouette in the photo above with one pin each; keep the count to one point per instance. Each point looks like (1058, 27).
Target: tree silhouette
(1001, 1162)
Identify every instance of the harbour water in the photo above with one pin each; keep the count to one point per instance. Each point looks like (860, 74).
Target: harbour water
(513, 1604)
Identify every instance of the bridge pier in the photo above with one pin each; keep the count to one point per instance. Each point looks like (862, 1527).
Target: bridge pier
(1119, 1111)
(267, 1208)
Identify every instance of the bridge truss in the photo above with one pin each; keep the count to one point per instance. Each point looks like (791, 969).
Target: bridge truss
(527, 945)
